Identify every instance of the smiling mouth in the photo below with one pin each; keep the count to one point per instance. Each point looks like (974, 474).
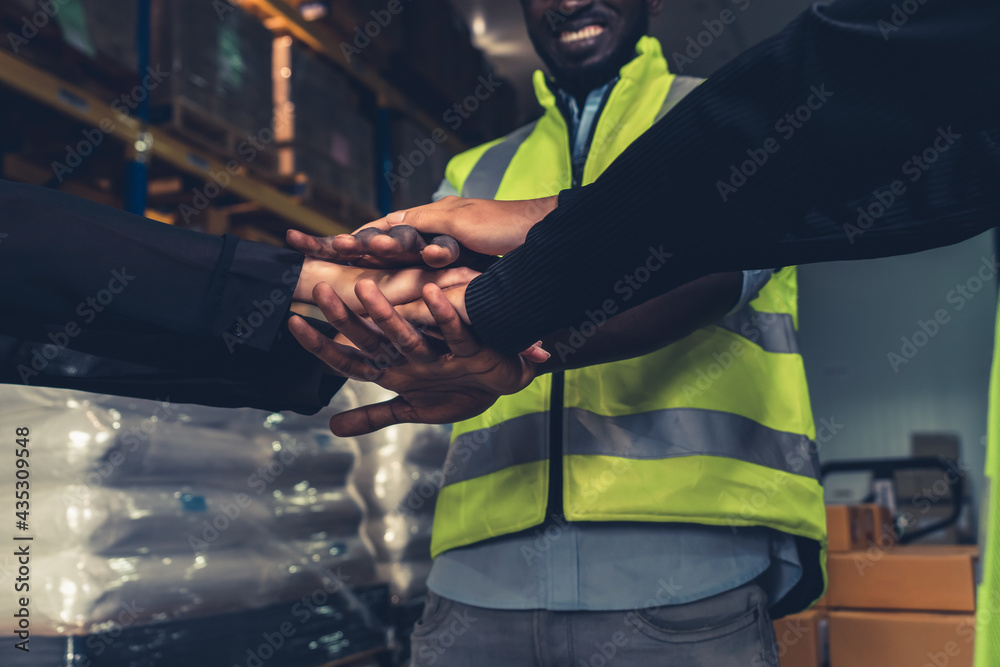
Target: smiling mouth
(587, 32)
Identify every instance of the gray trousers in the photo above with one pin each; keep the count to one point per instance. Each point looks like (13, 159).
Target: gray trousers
(732, 629)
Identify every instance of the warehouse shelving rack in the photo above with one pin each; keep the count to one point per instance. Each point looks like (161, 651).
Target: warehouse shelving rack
(144, 143)
(89, 109)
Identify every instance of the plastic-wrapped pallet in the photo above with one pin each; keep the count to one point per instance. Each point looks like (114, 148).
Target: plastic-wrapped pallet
(153, 521)
(219, 88)
(399, 476)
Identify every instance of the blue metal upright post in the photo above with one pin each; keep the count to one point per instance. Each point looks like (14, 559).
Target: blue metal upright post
(383, 148)
(136, 174)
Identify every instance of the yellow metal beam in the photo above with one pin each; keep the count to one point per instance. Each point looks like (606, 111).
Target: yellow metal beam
(319, 38)
(88, 108)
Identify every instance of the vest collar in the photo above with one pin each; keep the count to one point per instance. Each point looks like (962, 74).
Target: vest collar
(648, 62)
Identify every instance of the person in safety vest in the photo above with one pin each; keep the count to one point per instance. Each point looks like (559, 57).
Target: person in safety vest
(656, 510)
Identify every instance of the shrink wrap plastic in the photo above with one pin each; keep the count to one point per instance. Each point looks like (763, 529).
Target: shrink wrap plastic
(398, 474)
(153, 521)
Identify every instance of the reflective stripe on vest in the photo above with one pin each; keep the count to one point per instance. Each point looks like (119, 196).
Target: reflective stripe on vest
(484, 179)
(678, 432)
(679, 89)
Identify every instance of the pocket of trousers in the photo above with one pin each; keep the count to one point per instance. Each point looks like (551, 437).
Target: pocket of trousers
(687, 632)
(436, 610)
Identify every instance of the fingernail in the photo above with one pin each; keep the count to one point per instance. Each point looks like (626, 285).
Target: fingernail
(396, 216)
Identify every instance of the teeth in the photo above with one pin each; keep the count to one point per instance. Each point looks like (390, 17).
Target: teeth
(582, 33)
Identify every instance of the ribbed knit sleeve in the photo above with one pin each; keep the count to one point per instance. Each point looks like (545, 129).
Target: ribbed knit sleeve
(781, 144)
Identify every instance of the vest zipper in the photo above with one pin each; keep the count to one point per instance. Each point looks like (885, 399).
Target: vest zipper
(554, 502)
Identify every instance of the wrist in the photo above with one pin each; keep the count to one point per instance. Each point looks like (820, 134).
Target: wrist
(456, 296)
(314, 271)
(537, 210)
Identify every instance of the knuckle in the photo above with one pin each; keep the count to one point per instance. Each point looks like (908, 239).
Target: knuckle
(409, 343)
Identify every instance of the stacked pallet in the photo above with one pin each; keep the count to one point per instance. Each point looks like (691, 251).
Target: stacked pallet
(156, 526)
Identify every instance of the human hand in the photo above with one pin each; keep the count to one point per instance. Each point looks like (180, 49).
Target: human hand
(436, 385)
(399, 286)
(377, 246)
(482, 226)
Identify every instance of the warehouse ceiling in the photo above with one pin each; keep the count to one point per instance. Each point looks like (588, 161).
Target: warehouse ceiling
(498, 29)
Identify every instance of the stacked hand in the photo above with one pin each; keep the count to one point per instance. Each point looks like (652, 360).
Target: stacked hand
(437, 382)
(389, 262)
(463, 231)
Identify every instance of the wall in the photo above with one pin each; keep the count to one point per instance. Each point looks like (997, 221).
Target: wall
(853, 314)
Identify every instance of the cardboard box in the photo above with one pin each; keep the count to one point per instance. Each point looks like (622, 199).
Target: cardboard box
(931, 578)
(900, 639)
(844, 528)
(878, 525)
(803, 639)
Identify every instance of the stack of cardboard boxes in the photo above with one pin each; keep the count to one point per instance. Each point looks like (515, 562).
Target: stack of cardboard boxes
(887, 605)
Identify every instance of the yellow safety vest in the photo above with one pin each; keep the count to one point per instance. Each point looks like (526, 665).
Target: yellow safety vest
(988, 613)
(713, 429)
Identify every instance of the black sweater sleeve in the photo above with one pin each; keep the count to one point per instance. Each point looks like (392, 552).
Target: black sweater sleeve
(95, 298)
(771, 162)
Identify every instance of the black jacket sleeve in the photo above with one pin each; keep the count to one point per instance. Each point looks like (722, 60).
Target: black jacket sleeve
(101, 300)
(771, 162)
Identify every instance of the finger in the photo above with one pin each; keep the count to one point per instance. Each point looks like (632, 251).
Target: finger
(347, 246)
(417, 313)
(536, 354)
(343, 360)
(370, 418)
(410, 342)
(458, 336)
(442, 251)
(363, 238)
(312, 246)
(428, 219)
(408, 240)
(359, 331)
